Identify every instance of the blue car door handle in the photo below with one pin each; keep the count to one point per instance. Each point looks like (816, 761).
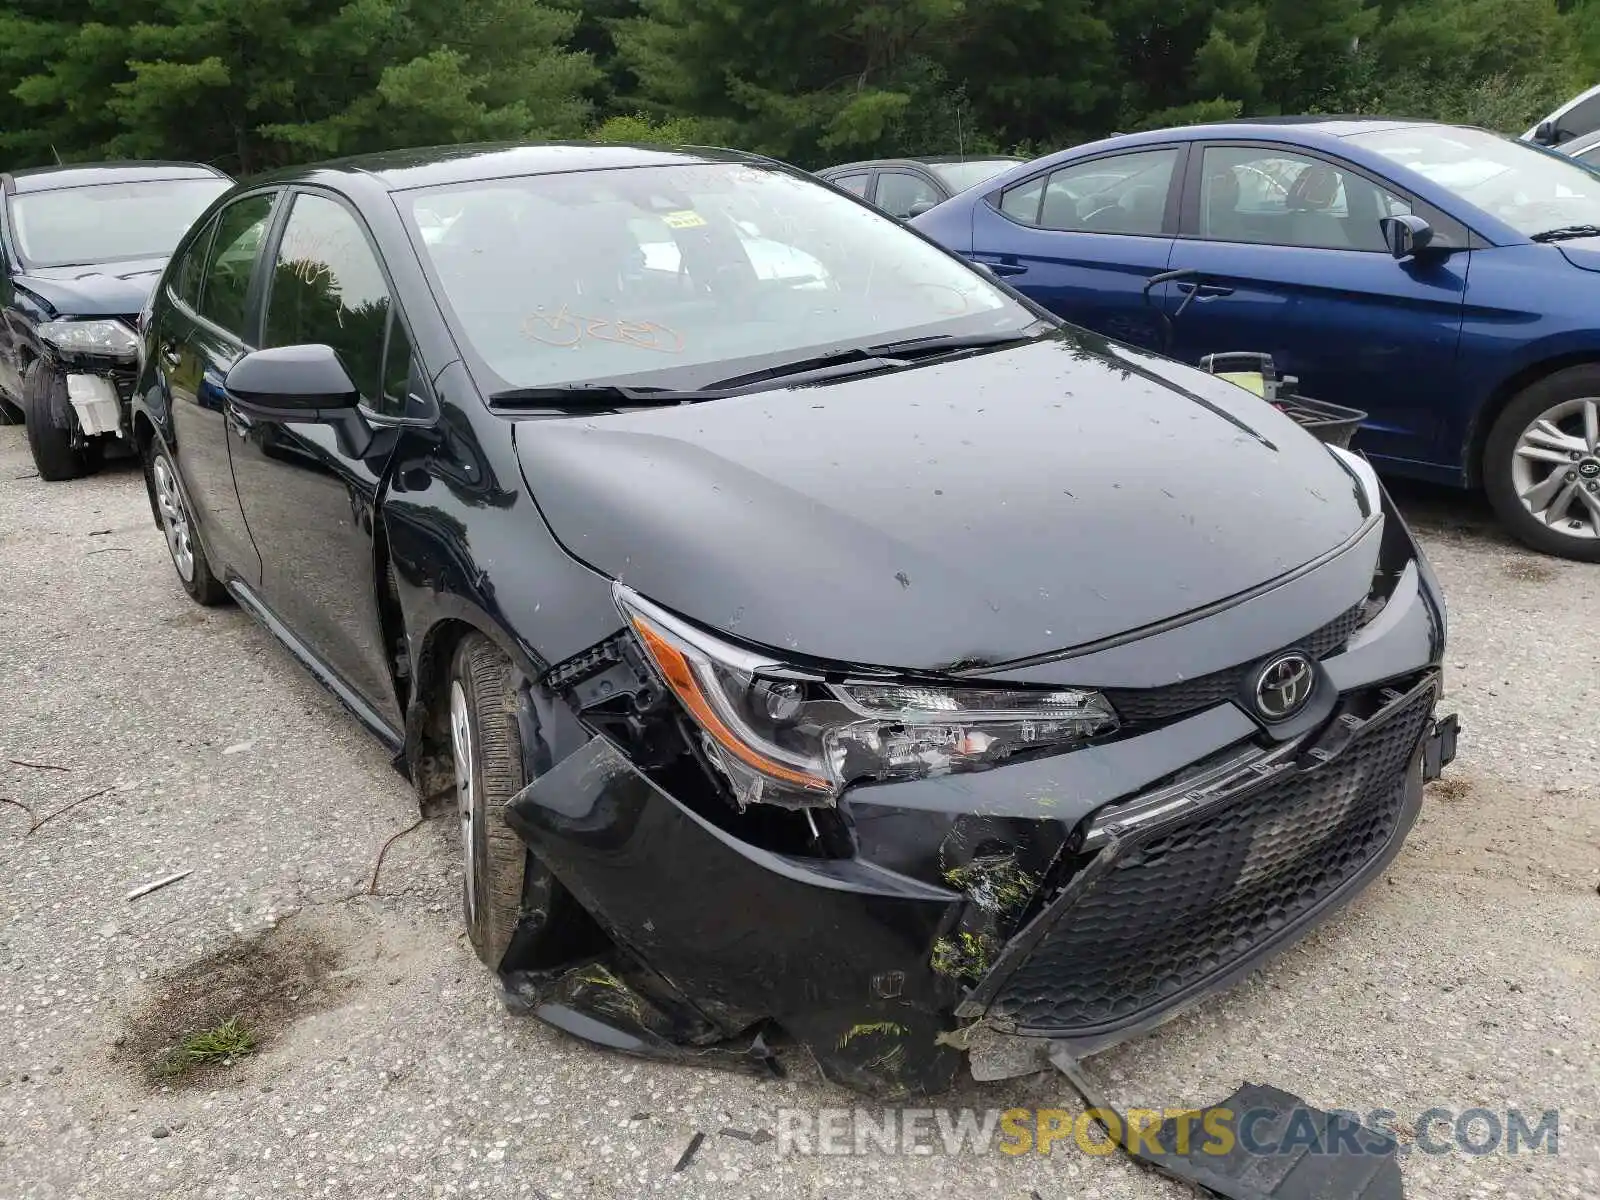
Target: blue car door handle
(1205, 289)
(1003, 265)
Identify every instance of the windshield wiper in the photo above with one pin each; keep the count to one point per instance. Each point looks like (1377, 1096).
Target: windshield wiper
(1566, 232)
(943, 343)
(803, 370)
(834, 364)
(593, 395)
(859, 359)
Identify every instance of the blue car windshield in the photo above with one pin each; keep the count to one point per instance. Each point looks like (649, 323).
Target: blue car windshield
(1529, 189)
(660, 275)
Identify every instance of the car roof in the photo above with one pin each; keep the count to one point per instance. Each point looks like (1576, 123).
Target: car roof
(1323, 132)
(1287, 129)
(46, 179)
(401, 170)
(920, 160)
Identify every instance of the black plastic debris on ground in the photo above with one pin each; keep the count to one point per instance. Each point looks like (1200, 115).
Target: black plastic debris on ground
(689, 1153)
(1278, 1147)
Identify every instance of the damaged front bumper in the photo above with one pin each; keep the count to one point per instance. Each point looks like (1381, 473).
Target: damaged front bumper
(100, 401)
(1038, 931)
(98, 359)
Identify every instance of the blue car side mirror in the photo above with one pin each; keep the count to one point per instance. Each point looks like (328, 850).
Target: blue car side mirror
(1406, 235)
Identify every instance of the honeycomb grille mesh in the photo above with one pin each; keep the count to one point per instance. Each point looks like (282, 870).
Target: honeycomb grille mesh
(1194, 900)
(1144, 705)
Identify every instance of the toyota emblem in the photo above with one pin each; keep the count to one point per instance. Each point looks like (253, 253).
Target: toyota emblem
(1284, 685)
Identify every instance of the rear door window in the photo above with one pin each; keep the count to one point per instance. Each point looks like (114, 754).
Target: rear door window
(190, 269)
(225, 288)
(1125, 193)
(1582, 118)
(855, 183)
(902, 194)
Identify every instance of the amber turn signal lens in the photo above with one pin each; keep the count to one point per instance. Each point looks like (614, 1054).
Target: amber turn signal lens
(680, 677)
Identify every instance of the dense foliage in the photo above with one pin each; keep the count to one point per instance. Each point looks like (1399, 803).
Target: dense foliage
(251, 84)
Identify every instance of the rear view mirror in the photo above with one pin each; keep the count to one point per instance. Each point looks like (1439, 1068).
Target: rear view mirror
(292, 381)
(1406, 235)
(1545, 134)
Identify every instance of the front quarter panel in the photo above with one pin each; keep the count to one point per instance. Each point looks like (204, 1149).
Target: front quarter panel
(468, 545)
(22, 314)
(1528, 311)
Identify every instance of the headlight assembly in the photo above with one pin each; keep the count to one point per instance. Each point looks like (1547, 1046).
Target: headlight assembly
(799, 737)
(105, 339)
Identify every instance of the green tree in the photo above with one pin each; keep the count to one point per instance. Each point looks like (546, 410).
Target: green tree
(1497, 63)
(808, 81)
(249, 84)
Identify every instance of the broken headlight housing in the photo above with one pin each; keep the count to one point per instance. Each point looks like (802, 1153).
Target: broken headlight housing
(798, 737)
(99, 339)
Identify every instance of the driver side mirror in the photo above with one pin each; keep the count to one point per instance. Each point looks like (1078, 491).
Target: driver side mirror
(1406, 235)
(1545, 134)
(920, 207)
(306, 383)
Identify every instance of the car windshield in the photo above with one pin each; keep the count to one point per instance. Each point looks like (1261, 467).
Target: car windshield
(682, 275)
(959, 176)
(109, 222)
(1532, 190)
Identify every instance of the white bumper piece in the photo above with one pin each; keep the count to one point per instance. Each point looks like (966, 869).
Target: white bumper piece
(94, 398)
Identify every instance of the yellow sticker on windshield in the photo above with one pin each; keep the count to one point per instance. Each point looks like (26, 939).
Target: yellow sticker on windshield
(684, 218)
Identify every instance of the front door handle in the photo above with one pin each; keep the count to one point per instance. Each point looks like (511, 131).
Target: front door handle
(1205, 289)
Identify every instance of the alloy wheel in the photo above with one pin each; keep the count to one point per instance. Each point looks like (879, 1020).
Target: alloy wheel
(1555, 468)
(174, 519)
(466, 795)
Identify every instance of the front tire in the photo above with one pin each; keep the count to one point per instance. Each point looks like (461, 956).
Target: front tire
(60, 450)
(486, 745)
(1541, 465)
(188, 555)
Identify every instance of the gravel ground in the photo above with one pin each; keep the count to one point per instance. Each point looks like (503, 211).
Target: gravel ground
(1470, 977)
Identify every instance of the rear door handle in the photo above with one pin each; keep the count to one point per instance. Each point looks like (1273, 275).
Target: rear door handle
(1005, 266)
(1205, 289)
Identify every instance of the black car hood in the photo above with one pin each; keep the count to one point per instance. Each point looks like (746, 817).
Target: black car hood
(968, 512)
(110, 290)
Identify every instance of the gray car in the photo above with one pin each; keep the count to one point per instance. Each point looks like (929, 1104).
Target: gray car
(909, 187)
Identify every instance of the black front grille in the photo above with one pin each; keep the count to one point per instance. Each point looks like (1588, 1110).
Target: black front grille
(1182, 904)
(1137, 706)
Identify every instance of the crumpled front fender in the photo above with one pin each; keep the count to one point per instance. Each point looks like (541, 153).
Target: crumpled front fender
(835, 951)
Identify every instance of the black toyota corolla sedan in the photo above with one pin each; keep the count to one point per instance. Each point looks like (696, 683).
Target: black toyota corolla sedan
(816, 642)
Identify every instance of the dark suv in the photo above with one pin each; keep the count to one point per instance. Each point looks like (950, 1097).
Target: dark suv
(82, 246)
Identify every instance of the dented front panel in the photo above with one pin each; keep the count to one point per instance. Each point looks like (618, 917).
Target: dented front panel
(834, 950)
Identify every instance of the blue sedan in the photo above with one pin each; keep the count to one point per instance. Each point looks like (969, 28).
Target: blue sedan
(1445, 280)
